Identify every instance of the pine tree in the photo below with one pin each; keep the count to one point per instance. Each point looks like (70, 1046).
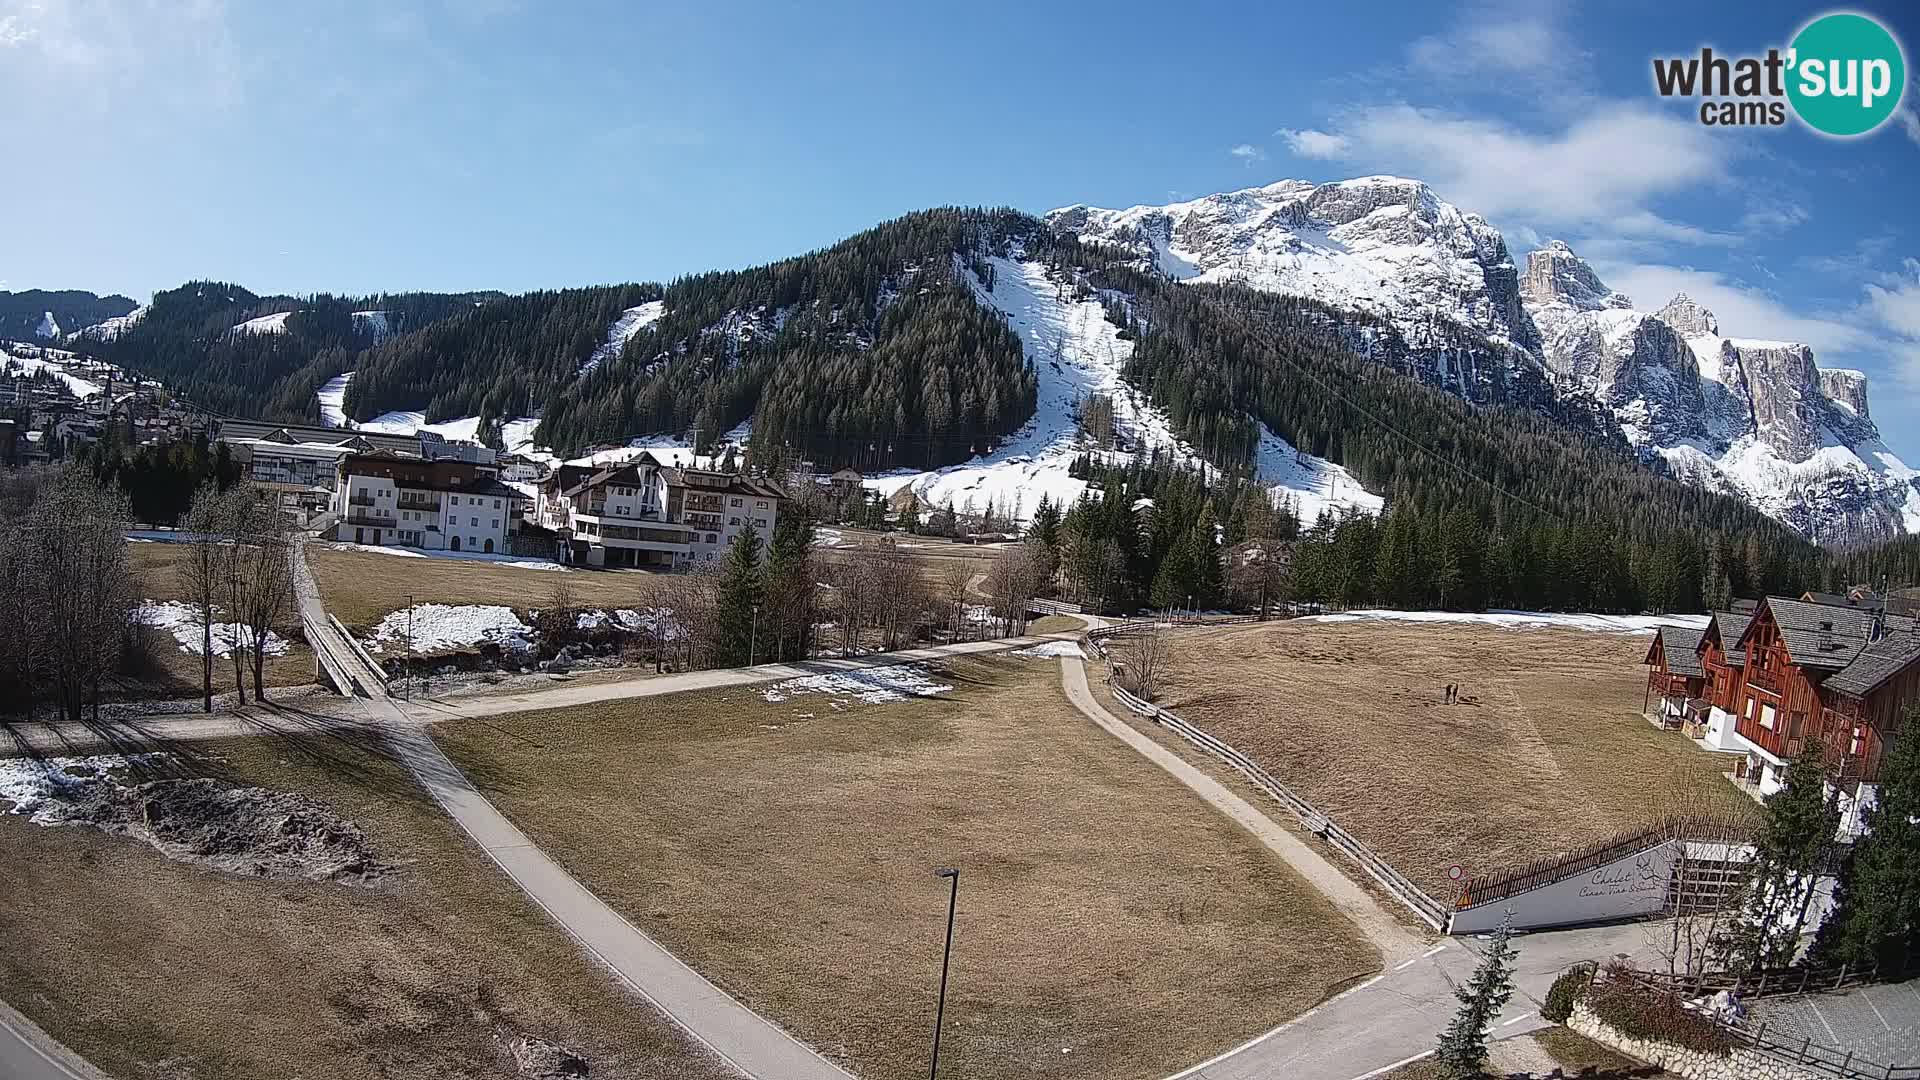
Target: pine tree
(1462, 1053)
(1792, 850)
(1209, 581)
(910, 517)
(740, 594)
(788, 603)
(1045, 523)
(1877, 914)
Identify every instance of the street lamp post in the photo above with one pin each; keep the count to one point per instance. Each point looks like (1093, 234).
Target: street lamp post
(940, 1010)
(409, 646)
(753, 637)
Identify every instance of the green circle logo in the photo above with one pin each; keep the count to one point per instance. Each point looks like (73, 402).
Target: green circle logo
(1846, 74)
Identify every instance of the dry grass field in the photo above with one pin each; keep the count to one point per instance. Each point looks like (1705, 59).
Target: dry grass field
(159, 570)
(787, 850)
(1552, 754)
(362, 587)
(153, 968)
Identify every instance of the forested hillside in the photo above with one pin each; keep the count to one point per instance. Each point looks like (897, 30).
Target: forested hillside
(23, 315)
(216, 344)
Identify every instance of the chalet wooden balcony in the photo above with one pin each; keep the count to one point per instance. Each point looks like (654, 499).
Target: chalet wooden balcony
(360, 500)
(382, 518)
(1669, 684)
(419, 502)
(1773, 682)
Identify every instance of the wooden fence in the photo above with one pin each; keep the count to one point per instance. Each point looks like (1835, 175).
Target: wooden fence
(1773, 982)
(1398, 885)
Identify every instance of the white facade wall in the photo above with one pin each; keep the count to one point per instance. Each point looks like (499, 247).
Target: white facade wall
(389, 516)
(737, 513)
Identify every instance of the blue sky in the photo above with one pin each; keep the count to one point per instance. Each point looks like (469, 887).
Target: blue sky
(360, 147)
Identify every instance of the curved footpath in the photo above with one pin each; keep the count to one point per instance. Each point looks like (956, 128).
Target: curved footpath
(1396, 1016)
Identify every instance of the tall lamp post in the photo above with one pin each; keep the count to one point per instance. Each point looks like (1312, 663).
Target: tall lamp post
(753, 637)
(409, 646)
(940, 1010)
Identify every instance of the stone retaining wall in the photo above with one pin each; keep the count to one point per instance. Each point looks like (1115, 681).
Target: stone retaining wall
(1743, 1063)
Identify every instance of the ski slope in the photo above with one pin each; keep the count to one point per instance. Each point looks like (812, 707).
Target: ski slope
(78, 387)
(1314, 485)
(275, 323)
(631, 321)
(1077, 353)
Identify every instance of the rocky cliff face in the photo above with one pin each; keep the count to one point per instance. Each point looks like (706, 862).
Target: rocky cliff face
(1757, 419)
(1384, 245)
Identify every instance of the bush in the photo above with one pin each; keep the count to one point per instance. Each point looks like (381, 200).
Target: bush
(1640, 1012)
(1570, 987)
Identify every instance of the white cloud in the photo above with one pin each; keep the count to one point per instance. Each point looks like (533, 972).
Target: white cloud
(1600, 172)
(12, 33)
(1497, 39)
(1320, 145)
(1248, 153)
(1896, 302)
(1773, 217)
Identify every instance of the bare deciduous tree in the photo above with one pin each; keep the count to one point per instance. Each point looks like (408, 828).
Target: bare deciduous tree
(207, 571)
(70, 556)
(1143, 657)
(263, 582)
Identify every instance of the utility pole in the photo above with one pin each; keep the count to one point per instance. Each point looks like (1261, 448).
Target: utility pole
(946, 957)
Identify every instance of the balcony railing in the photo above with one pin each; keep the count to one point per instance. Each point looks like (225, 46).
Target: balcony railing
(417, 503)
(364, 517)
(1772, 682)
(360, 500)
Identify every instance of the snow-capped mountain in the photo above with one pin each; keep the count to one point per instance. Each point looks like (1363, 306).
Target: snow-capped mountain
(1750, 417)
(1384, 245)
(1757, 419)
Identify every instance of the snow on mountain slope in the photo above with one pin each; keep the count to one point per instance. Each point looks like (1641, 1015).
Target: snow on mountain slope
(275, 323)
(1380, 244)
(108, 329)
(48, 328)
(631, 321)
(374, 323)
(47, 360)
(332, 397)
(1314, 485)
(1076, 353)
(1753, 418)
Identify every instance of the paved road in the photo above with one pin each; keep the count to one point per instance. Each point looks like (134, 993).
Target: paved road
(28, 1053)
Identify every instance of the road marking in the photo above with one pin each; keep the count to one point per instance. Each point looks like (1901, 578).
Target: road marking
(1258, 1039)
(1405, 964)
(1822, 1017)
(1868, 998)
(1442, 947)
(1395, 1065)
(1515, 1020)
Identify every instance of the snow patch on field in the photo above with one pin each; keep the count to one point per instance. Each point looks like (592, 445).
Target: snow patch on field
(439, 628)
(183, 622)
(1052, 649)
(631, 321)
(1313, 484)
(42, 787)
(894, 682)
(1527, 620)
(1076, 353)
(654, 620)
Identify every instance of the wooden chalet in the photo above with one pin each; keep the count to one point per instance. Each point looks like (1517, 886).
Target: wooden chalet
(1725, 681)
(1675, 677)
(1827, 672)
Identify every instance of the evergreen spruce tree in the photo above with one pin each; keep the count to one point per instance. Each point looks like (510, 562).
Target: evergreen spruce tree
(787, 605)
(1792, 850)
(740, 593)
(1462, 1053)
(910, 517)
(1045, 523)
(1877, 914)
(1209, 578)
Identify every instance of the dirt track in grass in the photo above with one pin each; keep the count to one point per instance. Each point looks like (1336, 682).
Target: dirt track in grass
(787, 851)
(1551, 755)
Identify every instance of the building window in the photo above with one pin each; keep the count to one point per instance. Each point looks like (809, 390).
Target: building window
(473, 521)
(712, 539)
(496, 504)
(736, 502)
(733, 520)
(760, 504)
(496, 523)
(761, 522)
(1766, 717)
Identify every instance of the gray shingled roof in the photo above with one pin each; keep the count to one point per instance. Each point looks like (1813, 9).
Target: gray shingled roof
(1678, 644)
(1729, 627)
(1826, 636)
(1876, 663)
